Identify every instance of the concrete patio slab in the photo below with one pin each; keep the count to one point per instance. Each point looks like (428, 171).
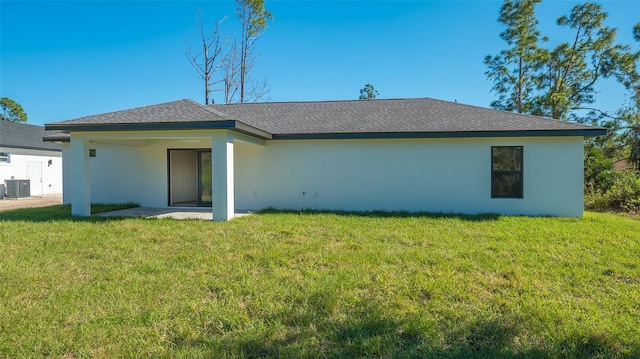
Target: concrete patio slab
(174, 213)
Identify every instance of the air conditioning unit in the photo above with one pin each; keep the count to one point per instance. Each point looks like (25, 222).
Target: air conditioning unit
(16, 188)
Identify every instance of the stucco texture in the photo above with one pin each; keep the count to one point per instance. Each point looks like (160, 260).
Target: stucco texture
(434, 175)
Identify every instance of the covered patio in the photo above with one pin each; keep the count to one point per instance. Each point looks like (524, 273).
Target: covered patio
(220, 143)
(125, 156)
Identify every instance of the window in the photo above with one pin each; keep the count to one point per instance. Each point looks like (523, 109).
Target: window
(506, 172)
(4, 157)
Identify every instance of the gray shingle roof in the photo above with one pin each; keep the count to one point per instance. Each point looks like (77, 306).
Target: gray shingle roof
(168, 112)
(421, 117)
(18, 135)
(386, 116)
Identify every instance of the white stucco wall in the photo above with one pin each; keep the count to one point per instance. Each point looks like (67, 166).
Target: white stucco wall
(436, 175)
(131, 171)
(18, 167)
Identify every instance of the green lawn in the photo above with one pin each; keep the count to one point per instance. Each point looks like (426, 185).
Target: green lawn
(329, 285)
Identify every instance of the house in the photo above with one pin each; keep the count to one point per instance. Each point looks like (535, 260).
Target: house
(399, 154)
(24, 155)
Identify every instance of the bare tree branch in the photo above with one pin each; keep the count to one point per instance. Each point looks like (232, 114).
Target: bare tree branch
(253, 18)
(211, 59)
(603, 113)
(257, 90)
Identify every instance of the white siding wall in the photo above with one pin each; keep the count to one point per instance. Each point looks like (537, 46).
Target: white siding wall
(439, 175)
(51, 174)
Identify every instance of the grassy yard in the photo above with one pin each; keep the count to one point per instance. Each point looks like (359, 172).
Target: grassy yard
(309, 285)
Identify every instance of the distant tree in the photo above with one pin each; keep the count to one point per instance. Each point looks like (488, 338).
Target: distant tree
(513, 70)
(11, 111)
(568, 76)
(633, 115)
(368, 92)
(211, 58)
(623, 137)
(559, 82)
(631, 136)
(253, 18)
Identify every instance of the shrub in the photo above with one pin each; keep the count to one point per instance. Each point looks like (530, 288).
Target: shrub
(598, 171)
(623, 194)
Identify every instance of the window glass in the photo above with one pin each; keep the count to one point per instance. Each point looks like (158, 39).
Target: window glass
(506, 172)
(507, 158)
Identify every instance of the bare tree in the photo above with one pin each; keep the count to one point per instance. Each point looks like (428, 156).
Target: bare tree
(225, 63)
(231, 73)
(257, 91)
(253, 18)
(212, 57)
(254, 90)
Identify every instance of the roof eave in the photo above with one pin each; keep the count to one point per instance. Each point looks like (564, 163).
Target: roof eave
(159, 126)
(452, 134)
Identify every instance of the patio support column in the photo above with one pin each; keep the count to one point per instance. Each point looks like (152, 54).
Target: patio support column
(223, 204)
(80, 194)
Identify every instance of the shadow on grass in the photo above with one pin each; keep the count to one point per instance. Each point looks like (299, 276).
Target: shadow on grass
(372, 333)
(62, 213)
(389, 214)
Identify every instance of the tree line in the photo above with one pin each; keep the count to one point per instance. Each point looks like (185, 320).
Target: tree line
(562, 82)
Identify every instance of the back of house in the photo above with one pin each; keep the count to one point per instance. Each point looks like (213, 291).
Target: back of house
(394, 155)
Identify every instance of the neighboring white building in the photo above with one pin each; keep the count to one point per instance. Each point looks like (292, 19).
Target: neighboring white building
(24, 155)
(407, 154)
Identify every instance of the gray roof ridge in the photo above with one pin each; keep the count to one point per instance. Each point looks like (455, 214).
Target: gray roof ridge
(537, 117)
(214, 111)
(312, 101)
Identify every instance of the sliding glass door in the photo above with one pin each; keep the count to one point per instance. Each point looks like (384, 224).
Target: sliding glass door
(189, 177)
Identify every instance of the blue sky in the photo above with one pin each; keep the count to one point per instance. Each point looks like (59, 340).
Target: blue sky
(62, 60)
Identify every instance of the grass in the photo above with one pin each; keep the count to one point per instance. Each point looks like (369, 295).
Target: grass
(319, 285)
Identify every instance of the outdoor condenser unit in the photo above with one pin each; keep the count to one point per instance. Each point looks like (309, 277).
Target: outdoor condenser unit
(17, 188)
